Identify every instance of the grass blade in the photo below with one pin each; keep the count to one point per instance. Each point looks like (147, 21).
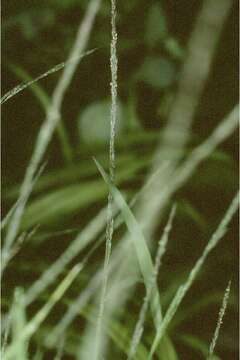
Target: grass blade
(34, 324)
(53, 115)
(110, 220)
(81, 241)
(32, 82)
(143, 255)
(182, 290)
(219, 322)
(141, 320)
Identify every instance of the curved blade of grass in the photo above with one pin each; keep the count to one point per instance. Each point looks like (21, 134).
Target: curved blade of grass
(7, 247)
(138, 331)
(142, 252)
(84, 297)
(99, 348)
(226, 127)
(201, 49)
(197, 344)
(182, 290)
(32, 82)
(118, 333)
(203, 151)
(75, 173)
(219, 322)
(48, 127)
(201, 305)
(18, 323)
(44, 100)
(81, 241)
(64, 201)
(34, 324)
(85, 237)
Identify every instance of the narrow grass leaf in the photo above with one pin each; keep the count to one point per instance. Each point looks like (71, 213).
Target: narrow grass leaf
(110, 221)
(53, 115)
(84, 297)
(34, 324)
(196, 344)
(44, 100)
(18, 322)
(219, 322)
(217, 235)
(143, 254)
(17, 89)
(138, 331)
(84, 238)
(12, 219)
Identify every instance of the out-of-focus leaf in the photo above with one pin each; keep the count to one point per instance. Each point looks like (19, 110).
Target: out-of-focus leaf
(166, 350)
(44, 100)
(94, 122)
(174, 49)
(208, 300)
(157, 72)
(18, 317)
(186, 208)
(197, 344)
(156, 27)
(31, 21)
(66, 201)
(70, 174)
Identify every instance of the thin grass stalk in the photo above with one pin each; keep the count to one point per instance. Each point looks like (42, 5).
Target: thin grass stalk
(195, 72)
(7, 251)
(60, 349)
(6, 333)
(139, 328)
(182, 290)
(81, 241)
(110, 221)
(85, 237)
(219, 322)
(19, 88)
(96, 280)
(19, 321)
(140, 247)
(53, 116)
(8, 216)
(226, 127)
(37, 320)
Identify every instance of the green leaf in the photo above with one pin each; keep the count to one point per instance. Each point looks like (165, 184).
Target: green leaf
(189, 210)
(32, 326)
(61, 203)
(143, 256)
(139, 242)
(166, 350)
(174, 48)
(94, 122)
(156, 27)
(18, 317)
(44, 100)
(197, 344)
(157, 72)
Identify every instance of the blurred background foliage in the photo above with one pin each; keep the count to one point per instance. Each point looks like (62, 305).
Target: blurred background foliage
(153, 35)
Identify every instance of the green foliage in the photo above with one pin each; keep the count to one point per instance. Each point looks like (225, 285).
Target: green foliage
(155, 33)
(94, 124)
(157, 72)
(62, 221)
